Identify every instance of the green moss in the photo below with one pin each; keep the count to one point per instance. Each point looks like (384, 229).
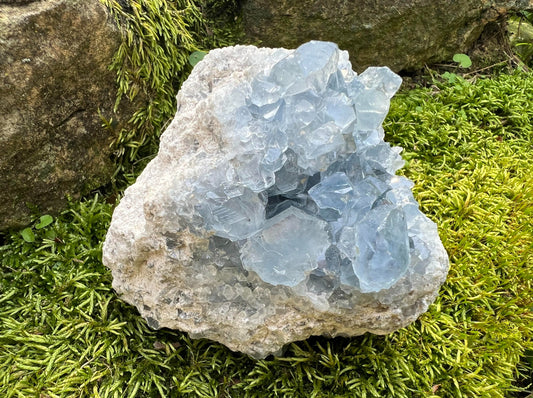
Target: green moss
(152, 62)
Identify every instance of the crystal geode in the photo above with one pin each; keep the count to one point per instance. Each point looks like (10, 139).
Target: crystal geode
(272, 211)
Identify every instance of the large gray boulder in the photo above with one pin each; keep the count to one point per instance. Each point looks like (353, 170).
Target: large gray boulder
(54, 79)
(402, 34)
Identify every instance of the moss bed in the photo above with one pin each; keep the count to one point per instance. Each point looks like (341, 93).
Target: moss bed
(468, 146)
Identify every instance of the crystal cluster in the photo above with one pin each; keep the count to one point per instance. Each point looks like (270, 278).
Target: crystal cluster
(310, 191)
(272, 211)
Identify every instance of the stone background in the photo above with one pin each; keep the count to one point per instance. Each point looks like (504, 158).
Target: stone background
(54, 81)
(402, 34)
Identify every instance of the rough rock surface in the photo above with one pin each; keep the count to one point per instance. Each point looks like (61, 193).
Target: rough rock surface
(402, 34)
(272, 211)
(54, 78)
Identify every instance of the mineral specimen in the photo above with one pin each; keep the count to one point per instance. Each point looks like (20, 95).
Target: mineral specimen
(272, 211)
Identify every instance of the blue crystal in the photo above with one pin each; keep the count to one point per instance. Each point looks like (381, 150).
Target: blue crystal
(333, 192)
(381, 250)
(310, 195)
(340, 110)
(382, 79)
(236, 217)
(287, 248)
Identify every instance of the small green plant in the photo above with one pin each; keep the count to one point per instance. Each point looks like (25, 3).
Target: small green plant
(29, 235)
(450, 77)
(463, 61)
(196, 57)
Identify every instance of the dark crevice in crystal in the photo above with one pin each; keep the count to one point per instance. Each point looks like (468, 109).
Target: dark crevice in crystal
(312, 181)
(299, 198)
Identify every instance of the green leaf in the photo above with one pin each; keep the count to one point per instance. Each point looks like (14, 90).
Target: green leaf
(196, 57)
(28, 235)
(44, 221)
(449, 77)
(50, 234)
(463, 60)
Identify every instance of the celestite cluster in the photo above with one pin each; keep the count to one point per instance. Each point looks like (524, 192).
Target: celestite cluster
(310, 194)
(272, 211)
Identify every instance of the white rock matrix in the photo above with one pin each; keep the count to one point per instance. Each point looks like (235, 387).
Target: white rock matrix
(272, 211)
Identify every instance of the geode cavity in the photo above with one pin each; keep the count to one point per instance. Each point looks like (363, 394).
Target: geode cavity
(272, 211)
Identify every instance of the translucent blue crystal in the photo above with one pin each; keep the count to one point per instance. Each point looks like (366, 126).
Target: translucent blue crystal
(287, 247)
(272, 211)
(235, 217)
(381, 248)
(382, 79)
(333, 192)
(339, 109)
(310, 195)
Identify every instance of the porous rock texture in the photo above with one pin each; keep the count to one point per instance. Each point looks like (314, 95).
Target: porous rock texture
(271, 188)
(54, 80)
(402, 34)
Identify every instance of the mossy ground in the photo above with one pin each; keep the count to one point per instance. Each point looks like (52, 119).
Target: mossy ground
(64, 333)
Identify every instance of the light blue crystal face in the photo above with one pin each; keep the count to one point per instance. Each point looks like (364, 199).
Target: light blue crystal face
(287, 248)
(309, 193)
(377, 246)
(233, 215)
